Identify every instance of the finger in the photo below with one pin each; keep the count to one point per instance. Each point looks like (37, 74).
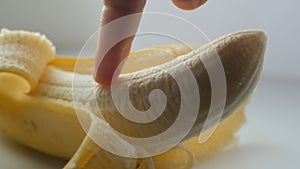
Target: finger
(106, 64)
(188, 4)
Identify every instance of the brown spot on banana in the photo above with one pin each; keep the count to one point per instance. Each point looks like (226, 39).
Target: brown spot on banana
(241, 54)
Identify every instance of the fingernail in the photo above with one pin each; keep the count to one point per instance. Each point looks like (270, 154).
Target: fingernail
(197, 3)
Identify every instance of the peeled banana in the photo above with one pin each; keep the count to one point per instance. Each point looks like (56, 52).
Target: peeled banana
(37, 103)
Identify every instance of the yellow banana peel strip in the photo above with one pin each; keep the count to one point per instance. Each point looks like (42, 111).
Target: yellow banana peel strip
(36, 105)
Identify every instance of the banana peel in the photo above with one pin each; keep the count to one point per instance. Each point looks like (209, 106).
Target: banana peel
(36, 105)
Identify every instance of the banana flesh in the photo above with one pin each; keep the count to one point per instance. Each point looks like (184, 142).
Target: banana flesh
(241, 54)
(36, 102)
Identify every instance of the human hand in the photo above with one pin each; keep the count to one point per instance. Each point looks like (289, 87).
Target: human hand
(105, 69)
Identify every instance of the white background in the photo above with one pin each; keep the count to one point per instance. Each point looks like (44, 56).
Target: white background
(269, 140)
(69, 23)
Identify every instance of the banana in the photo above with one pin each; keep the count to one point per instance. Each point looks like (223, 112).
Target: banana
(241, 54)
(37, 104)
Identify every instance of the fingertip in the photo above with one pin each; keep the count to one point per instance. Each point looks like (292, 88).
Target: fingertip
(103, 73)
(188, 4)
(108, 70)
(102, 79)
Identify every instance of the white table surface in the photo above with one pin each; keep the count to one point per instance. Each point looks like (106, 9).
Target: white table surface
(269, 140)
